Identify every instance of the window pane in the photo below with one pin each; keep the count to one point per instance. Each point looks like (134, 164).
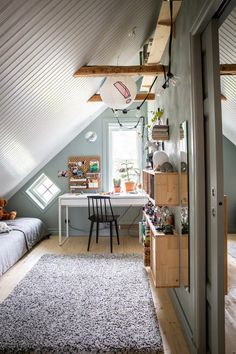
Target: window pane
(124, 147)
(53, 189)
(47, 182)
(47, 196)
(40, 189)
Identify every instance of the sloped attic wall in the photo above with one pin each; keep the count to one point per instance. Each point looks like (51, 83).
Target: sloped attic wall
(42, 44)
(24, 205)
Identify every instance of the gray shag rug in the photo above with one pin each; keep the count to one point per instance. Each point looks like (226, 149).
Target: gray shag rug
(81, 304)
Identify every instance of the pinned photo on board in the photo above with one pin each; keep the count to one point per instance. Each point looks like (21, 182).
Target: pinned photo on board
(62, 173)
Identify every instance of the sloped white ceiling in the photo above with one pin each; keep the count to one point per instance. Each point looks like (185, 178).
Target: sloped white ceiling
(227, 42)
(42, 44)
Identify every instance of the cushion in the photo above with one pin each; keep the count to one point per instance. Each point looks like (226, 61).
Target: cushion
(4, 227)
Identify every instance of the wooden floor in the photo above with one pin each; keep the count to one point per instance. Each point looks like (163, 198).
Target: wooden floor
(172, 335)
(230, 302)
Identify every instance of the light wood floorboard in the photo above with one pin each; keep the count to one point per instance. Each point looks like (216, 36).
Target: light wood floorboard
(172, 335)
(230, 302)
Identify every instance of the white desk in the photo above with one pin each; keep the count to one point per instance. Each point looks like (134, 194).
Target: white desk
(70, 200)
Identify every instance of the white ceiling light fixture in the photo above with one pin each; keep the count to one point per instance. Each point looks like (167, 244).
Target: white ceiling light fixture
(118, 92)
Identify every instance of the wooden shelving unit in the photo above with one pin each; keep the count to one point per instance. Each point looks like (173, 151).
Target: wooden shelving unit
(84, 172)
(164, 257)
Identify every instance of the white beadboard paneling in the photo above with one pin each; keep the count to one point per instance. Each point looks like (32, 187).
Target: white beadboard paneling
(42, 44)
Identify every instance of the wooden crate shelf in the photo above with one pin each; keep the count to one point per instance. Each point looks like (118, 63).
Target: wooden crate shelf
(164, 258)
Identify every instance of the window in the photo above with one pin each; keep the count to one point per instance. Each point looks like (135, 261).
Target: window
(124, 144)
(43, 191)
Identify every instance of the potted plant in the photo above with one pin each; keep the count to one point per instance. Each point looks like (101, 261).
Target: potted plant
(129, 174)
(117, 185)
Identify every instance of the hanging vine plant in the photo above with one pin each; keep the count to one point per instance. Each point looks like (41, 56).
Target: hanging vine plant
(156, 117)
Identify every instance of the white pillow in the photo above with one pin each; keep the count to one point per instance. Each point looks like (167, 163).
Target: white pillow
(4, 227)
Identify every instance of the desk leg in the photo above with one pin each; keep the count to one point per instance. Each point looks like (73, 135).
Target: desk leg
(59, 221)
(67, 222)
(61, 242)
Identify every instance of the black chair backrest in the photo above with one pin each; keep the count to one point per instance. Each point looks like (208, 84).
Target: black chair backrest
(100, 207)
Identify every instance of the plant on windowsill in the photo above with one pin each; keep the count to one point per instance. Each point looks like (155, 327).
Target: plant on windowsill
(129, 174)
(117, 185)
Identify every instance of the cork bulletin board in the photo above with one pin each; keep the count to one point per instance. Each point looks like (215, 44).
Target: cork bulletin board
(84, 172)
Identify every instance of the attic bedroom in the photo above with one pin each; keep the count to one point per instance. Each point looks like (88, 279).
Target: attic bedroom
(110, 114)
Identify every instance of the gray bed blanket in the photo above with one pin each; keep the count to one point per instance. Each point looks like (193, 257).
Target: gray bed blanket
(34, 229)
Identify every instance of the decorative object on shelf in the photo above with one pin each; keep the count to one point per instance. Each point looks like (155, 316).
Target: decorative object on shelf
(129, 174)
(168, 229)
(170, 219)
(160, 217)
(91, 137)
(118, 92)
(152, 145)
(146, 234)
(159, 157)
(84, 173)
(117, 185)
(166, 167)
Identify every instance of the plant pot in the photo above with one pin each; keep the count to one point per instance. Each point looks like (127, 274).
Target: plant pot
(117, 189)
(129, 186)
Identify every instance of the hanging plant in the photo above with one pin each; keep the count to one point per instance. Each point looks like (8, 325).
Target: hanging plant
(156, 116)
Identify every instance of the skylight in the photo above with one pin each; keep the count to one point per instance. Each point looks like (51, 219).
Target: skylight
(43, 191)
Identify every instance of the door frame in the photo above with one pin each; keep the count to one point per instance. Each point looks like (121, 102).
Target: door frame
(198, 217)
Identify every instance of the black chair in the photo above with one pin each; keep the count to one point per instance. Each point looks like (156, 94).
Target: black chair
(100, 211)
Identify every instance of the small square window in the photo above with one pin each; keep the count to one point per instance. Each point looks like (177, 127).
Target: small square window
(43, 191)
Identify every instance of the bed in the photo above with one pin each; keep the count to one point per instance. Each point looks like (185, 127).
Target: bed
(24, 234)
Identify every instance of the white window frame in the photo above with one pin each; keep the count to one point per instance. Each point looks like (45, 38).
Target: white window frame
(115, 127)
(37, 197)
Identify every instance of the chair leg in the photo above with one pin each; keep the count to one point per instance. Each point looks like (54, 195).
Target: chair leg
(97, 232)
(111, 236)
(117, 233)
(90, 235)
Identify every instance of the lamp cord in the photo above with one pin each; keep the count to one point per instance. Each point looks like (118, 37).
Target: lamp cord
(134, 127)
(171, 34)
(150, 88)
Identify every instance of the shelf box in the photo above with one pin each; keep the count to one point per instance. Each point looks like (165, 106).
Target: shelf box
(163, 187)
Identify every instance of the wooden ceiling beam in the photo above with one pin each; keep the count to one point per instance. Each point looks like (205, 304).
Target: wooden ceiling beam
(143, 70)
(222, 97)
(96, 71)
(139, 97)
(227, 69)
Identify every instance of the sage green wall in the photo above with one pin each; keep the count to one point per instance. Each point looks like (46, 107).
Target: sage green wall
(25, 207)
(176, 102)
(229, 155)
